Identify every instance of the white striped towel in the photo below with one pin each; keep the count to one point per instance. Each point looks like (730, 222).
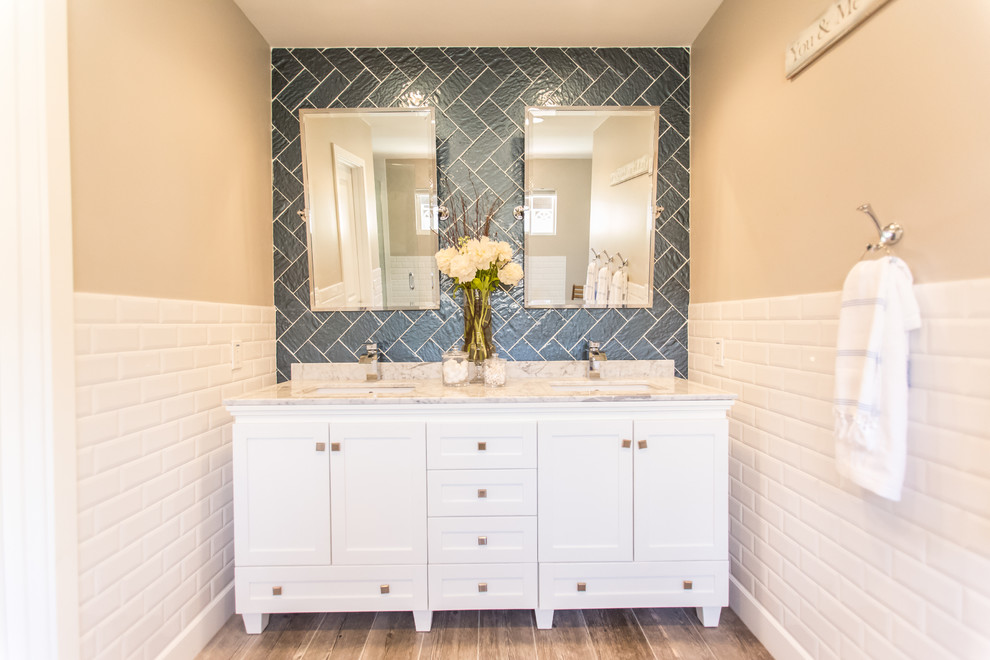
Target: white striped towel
(871, 364)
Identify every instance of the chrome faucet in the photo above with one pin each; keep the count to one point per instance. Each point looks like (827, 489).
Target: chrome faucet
(595, 359)
(370, 357)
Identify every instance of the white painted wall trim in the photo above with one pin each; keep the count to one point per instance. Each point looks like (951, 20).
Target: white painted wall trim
(779, 642)
(38, 548)
(197, 634)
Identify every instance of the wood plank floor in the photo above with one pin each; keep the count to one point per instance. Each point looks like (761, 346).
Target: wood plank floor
(663, 634)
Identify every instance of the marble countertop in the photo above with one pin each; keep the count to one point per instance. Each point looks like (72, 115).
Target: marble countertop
(540, 383)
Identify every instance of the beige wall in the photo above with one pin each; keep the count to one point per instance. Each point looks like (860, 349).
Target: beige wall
(352, 134)
(622, 215)
(895, 114)
(402, 177)
(171, 150)
(571, 179)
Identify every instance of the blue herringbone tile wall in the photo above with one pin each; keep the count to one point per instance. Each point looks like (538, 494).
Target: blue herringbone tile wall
(479, 95)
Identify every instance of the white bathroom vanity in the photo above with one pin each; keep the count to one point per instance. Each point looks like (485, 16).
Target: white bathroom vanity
(553, 492)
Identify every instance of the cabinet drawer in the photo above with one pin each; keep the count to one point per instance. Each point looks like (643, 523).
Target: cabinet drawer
(470, 445)
(634, 584)
(483, 587)
(484, 539)
(482, 492)
(330, 589)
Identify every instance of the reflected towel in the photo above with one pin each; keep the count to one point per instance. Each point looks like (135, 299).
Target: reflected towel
(601, 287)
(871, 374)
(618, 289)
(589, 281)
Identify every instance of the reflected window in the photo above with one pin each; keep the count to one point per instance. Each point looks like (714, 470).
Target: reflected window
(542, 214)
(426, 213)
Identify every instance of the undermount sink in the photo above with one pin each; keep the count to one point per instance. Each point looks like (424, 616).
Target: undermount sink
(364, 388)
(600, 387)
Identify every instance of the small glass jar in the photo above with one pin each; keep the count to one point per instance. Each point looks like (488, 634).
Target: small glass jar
(494, 370)
(455, 368)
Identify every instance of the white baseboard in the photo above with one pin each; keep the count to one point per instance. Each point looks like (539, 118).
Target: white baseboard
(770, 632)
(197, 634)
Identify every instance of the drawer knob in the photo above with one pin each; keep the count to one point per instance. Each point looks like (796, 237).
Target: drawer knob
(334, 446)
(688, 584)
(582, 586)
(276, 591)
(482, 540)
(482, 446)
(321, 446)
(482, 493)
(384, 588)
(626, 444)
(642, 444)
(482, 587)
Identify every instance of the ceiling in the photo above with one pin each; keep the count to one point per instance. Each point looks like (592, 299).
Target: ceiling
(569, 133)
(381, 23)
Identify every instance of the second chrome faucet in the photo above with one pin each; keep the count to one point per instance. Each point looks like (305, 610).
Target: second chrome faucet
(370, 358)
(595, 357)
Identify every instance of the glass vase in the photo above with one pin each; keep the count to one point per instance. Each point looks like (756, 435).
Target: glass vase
(477, 325)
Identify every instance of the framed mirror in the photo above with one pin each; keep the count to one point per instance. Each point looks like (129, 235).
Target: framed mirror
(371, 209)
(590, 206)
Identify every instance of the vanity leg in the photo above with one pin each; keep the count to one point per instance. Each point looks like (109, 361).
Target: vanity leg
(544, 619)
(709, 616)
(423, 620)
(255, 623)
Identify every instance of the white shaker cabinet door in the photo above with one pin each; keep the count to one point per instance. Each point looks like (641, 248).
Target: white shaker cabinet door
(281, 494)
(378, 492)
(585, 491)
(681, 490)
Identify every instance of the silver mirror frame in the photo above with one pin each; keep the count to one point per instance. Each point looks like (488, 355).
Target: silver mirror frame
(527, 190)
(306, 215)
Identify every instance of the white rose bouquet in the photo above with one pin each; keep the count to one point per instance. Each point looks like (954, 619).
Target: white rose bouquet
(478, 266)
(480, 263)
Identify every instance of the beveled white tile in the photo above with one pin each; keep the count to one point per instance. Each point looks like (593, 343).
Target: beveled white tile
(94, 308)
(756, 310)
(94, 369)
(978, 299)
(821, 305)
(176, 311)
(131, 309)
(785, 308)
(204, 312)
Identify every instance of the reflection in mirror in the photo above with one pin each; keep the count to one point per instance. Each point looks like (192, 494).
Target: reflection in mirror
(590, 200)
(370, 182)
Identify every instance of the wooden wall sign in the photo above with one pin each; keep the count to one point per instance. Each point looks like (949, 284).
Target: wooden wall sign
(841, 17)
